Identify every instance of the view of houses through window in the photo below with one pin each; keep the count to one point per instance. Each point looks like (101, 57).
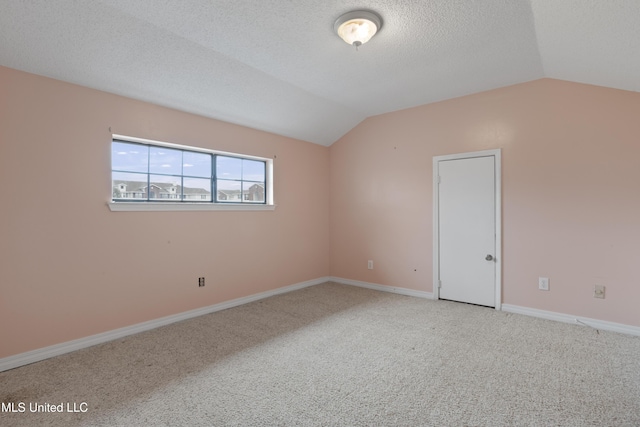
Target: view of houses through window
(142, 172)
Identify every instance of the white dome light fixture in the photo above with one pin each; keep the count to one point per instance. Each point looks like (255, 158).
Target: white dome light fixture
(357, 27)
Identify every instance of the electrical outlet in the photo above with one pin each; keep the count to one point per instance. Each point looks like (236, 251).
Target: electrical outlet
(200, 282)
(598, 291)
(543, 283)
(370, 264)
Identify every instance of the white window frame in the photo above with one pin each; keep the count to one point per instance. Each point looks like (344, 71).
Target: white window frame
(146, 206)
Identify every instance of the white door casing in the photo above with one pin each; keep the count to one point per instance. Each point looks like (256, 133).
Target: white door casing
(467, 224)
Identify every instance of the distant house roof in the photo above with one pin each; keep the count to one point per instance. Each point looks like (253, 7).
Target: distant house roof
(137, 186)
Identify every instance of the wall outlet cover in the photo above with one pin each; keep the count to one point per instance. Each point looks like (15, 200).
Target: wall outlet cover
(543, 283)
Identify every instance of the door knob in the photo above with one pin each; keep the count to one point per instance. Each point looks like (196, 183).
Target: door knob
(489, 257)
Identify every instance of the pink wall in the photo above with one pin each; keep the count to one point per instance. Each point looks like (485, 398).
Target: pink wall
(571, 193)
(69, 267)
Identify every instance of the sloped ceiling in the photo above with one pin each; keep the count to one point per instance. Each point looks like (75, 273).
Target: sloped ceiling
(277, 65)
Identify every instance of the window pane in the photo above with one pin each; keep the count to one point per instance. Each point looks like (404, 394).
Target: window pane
(129, 186)
(161, 173)
(228, 167)
(197, 189)
(253, 170)
(164, 187)
(196, 164)
(229, 191)
(252, 192)
(165, 160)
(129, 157)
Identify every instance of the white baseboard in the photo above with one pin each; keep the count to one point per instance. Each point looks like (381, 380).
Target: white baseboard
(576, 320)
(383, 288)
(37, 355)
(549, 315)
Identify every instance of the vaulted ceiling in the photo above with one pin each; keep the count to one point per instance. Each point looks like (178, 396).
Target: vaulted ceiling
(278, 66)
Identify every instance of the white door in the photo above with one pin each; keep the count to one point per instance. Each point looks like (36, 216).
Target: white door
(467, 229)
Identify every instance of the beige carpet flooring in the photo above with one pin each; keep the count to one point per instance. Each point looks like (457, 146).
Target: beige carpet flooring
(335, 355)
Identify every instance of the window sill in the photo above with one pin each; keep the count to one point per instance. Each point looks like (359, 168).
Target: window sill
(173, 207)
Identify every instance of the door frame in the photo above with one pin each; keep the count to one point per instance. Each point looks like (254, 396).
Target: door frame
(497, 154)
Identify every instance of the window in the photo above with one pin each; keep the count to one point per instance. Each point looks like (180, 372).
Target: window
(240, 180)
(171, 174)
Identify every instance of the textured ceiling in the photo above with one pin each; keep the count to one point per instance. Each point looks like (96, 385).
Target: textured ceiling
(278, 66)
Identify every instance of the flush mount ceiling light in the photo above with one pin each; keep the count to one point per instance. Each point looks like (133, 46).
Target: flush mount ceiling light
(357, 27)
